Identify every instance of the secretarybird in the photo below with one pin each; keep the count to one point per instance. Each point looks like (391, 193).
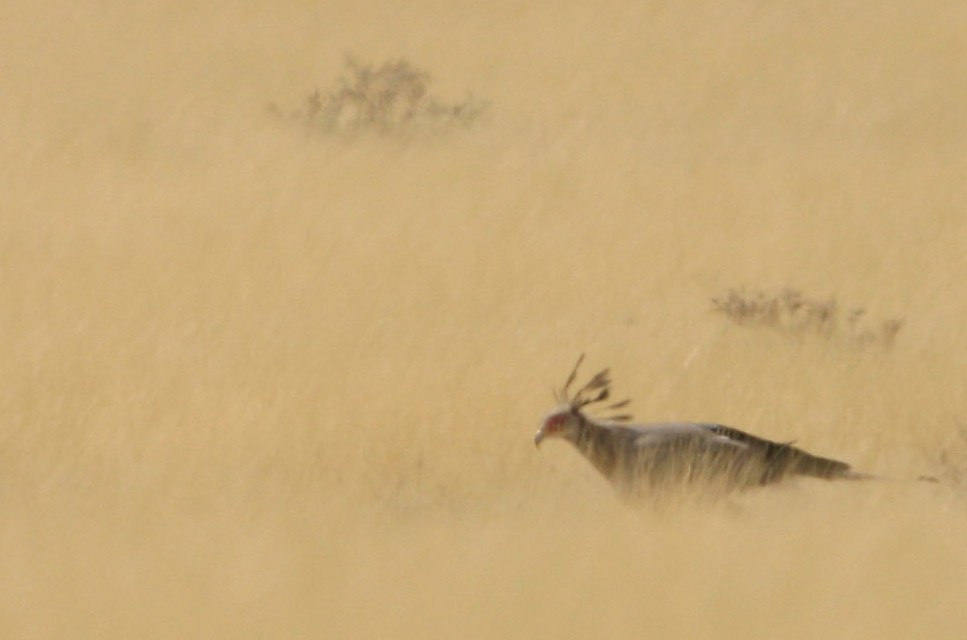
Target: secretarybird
(638, 459)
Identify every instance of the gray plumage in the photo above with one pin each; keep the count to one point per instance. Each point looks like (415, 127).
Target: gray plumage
(638, 459)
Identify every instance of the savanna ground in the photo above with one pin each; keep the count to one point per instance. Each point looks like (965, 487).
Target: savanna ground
(259, 382)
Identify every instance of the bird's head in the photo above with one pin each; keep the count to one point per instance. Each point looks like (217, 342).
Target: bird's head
(563, 422)
(567, 420)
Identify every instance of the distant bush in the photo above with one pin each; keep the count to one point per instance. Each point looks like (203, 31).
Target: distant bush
(391, 98)
(792, 313)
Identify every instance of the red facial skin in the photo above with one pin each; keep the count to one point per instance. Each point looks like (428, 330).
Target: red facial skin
(552, 426)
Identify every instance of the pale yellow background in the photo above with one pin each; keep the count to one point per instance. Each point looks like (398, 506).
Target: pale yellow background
(256, 384)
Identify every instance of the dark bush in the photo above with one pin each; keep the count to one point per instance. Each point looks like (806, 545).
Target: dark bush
(391, 98)
(792, 313)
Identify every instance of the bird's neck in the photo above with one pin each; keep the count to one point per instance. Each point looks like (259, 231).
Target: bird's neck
(588, 434)
(593, 442)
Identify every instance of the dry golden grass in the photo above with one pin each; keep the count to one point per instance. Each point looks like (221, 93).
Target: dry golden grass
(261, 385)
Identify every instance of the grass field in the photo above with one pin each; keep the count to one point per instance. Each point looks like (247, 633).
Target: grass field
(257, 383)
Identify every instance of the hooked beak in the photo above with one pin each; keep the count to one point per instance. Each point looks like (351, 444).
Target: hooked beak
(539, 438)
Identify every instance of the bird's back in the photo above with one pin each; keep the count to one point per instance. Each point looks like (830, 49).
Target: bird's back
(635, 457)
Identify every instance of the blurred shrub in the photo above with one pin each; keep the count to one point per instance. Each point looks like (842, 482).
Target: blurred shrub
(391, 98)
(792, 313)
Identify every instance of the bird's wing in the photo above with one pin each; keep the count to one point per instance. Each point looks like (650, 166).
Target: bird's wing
(737, 435)
(761, 460)
(783, 456)
(684, 433)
